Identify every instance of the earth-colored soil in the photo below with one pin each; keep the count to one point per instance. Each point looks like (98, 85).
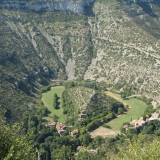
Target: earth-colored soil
(104, 132)
(116, 96)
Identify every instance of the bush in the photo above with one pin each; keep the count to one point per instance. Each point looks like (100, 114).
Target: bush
(106, 126)
(140, 149)
(120, 110)
(45, 89)
(126, 123)
(13, 145)
(55, 118)
(109, 116)
(55, 101)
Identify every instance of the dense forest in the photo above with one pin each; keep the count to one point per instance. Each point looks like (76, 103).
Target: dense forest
(33, 139)
(143, 143)
(72, 68)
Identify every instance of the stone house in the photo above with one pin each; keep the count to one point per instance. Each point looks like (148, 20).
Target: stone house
(61, 128)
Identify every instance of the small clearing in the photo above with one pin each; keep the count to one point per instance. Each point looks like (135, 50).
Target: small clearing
(47, 99)
(138, 107)
(104, 132)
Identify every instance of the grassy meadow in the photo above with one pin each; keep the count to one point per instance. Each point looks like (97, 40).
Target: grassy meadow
(137, 109)
(47, 99)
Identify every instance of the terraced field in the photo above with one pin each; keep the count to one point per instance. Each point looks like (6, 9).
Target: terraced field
(80, 95)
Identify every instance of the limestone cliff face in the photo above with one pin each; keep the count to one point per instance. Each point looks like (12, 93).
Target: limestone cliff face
(41, 5)
(139, 1)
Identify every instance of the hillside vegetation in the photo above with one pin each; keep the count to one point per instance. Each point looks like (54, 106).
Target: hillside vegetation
(118, 44)
(47, 99)
(73, 100)
(82, 107)
(87, 106)
(140, 149)
(137, 110)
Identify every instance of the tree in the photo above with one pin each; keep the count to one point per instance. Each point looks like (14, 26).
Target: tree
(55, 101)
(55, 118)
(13, 145)
(158, 132)
(69, 84)
(98, 140)
(64, 152)
(85, 155)
(148, 129)
(120, 110)
(85, 139)
(31, 124)
(109, 117)
(140, 148)
(123, 95)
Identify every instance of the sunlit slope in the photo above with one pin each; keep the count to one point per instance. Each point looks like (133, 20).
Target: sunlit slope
(118, 44)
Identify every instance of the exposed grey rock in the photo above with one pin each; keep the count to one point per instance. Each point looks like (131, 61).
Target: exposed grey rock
(57, 5)
(139, 1)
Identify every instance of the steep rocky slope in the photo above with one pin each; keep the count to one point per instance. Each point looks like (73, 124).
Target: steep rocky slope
(127, 45)
(116, 41)
(77, 6)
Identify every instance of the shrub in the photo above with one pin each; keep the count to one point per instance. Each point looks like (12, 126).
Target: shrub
(13, 145)
(140, 149)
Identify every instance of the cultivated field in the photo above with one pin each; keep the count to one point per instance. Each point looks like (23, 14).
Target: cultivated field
(47, 99)
(137, 109)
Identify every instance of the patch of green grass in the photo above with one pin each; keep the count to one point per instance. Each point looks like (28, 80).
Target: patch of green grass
(47, 99)
(137, 109)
